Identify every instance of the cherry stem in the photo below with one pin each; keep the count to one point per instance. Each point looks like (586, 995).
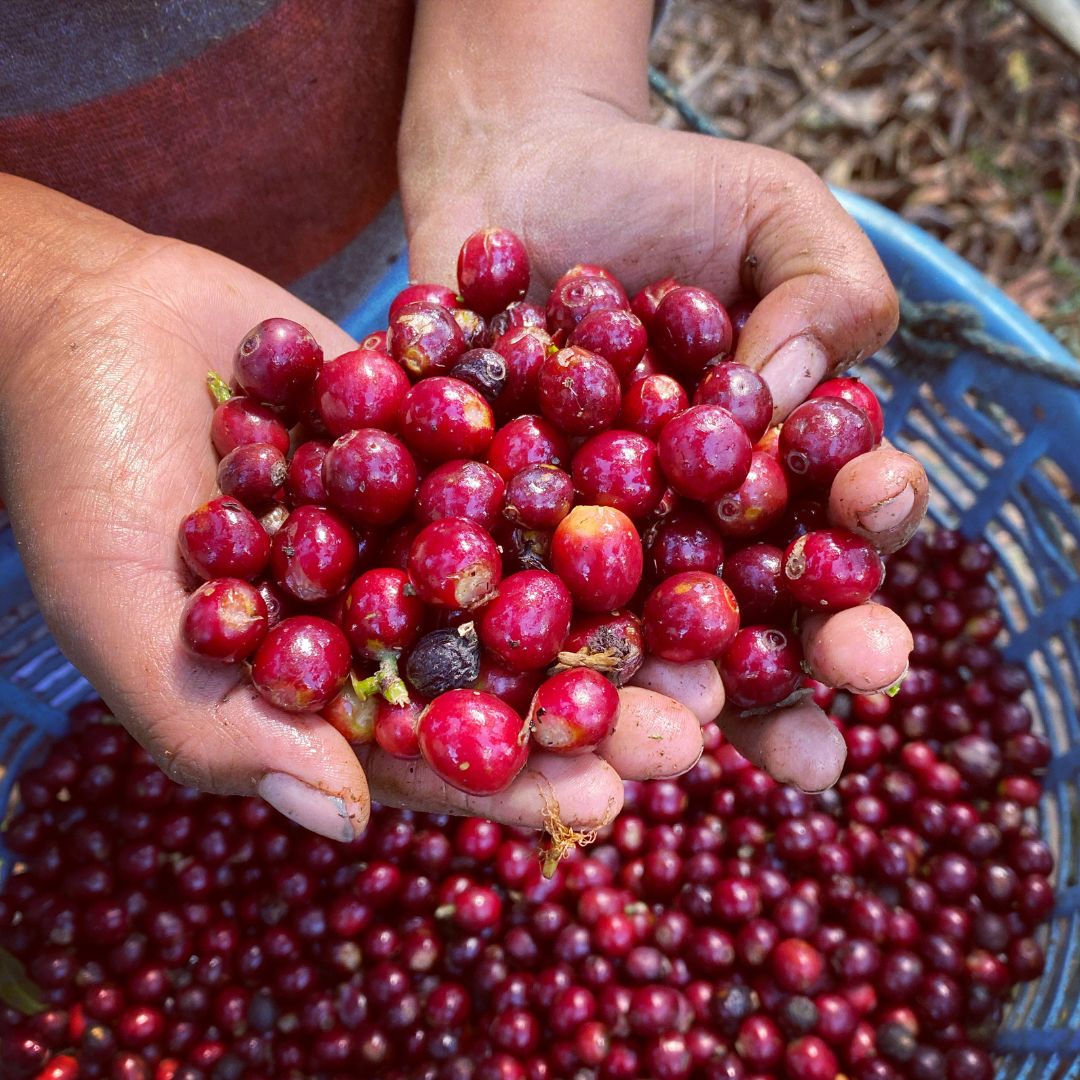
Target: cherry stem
(219, 388)
(386, 681)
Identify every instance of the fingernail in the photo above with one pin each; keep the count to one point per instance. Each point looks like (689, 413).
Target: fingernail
(792, 372)
(328, 815)
(887, 515)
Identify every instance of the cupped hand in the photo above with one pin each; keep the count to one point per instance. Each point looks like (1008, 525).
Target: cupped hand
(583, 181)
(104, 448)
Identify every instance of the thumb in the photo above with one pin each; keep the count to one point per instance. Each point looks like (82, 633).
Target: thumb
(826, 299)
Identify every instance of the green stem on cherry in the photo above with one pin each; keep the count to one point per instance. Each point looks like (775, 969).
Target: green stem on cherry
(220, 390)
(386, 681)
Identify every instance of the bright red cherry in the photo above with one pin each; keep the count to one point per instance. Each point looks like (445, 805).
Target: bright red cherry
(382, 614)
(467, 489)
(755, 574)
(314, 554)
(421, 293)
(616, 335)
(683, 541)
(744, 393)
(857, 393)
(253, 474)
(396, 726)
(370, 477)
(425, 339)
(690, 328)
(574, 298)
(597, 551)
(304, 479)
(704, 452)
(360, 389)
(757, 503)
(473, 741)
(579, 391)
(277, 362)
(222, 538)
(516, 316)
(516, 688)
(760, 667)
(820, 437)
(524, 349)
(691, 616)
(645, 303)
(525, 441)
(620, 469)
(573, 711)
(239, 420)
(224, 619)
(301, 664)
(525, 626)
(454, 563)
(649, 403)
(444, 418)
(539, 497)
(832, 569)
(492, 270)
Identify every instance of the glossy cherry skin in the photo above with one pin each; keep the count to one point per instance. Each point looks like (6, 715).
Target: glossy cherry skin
(704, 452)
(222, 538)
(820, 437)
(492, 270)
(690, 328)
(525, 441)
(591, 270)
(425, 339)
(302, 664)
(649, 403)
(574, 298)
(857, 393)
(742, 392)
(225, 620)
(524, 349)
(612, 643)
(314, 555)
(516, 688)
(524, 627)
(616, 335)
(370, 477)
(352, 717)
(760, 667)
(691, 616)
(454, 563)
(516, 316)
(277, 362)
(473, 741)
(684, 540)
(396, 727)
(832, 569)
(382, 614)
(755, 574)
(240, 421)
(422, 292)
(252, 474)
(573, 711)
(757, 503)
(466, 489)
(645, 302)
(539, 497)
(578, 391)
(597, 551)
(360, 389)
(304, 478)
(620, 469)
(443, 419)
(376, 341)
(473, 328)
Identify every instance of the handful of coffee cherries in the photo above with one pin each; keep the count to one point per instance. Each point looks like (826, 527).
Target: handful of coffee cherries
(458, 540)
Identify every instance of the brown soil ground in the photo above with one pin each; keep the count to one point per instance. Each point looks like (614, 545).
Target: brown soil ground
(962, 115)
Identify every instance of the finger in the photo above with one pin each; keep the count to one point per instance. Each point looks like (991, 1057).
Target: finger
(584, 791)
(698, 685)
(882, 496)
(863, 649)
(826, 300)
(798, 745)
(656, 737)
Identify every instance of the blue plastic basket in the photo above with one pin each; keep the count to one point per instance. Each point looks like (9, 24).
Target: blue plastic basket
(1000, 449)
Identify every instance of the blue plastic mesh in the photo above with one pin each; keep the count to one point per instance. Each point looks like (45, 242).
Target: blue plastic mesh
(1000, 450)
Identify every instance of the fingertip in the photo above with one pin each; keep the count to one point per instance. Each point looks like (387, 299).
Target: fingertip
(798, 745)
(656, 737)
(863, 649)
(882, 496)
(697, 685)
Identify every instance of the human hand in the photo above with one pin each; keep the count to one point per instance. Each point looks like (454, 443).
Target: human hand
(104, 447)
(564, 157)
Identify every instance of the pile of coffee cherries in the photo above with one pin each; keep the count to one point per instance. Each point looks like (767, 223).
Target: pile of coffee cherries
(723, 927)
(485, 518)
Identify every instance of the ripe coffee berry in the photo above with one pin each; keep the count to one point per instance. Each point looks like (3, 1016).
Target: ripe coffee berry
(832, 569)
(370, 477)
(579, 391)
(649, 403)
(360, 389)
(856, 393)
(492, 270)
(704, 452)
(525, 626)
(616, 335)
(539, 497)
(691, 327)
(742, 392)
(425, 339)
(466, 489)
(444, 418)
(690, 616)
(597, 552)
(223, 539)
(620, 469)
(314, 554)
(454, 563)
(225, 619)
(760, 667)
(573, 711)
(277, 362)
(820, 436)
(301, 664)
